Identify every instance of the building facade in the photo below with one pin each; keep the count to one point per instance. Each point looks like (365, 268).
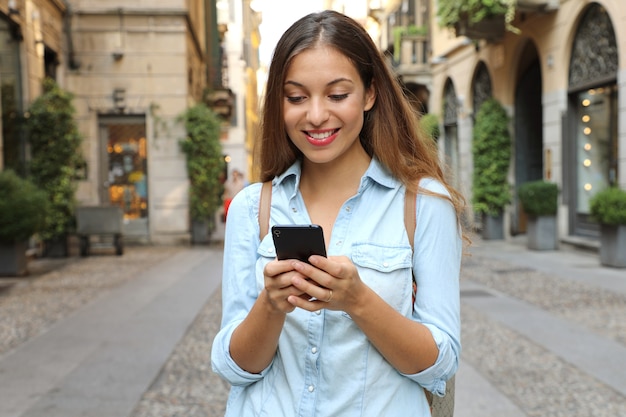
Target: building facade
(559, 71)
(133, 67)
(31, 46)
(136, 68)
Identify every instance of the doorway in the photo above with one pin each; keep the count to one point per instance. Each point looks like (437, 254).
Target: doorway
(124, 171)
(590, 141)
(528, 135)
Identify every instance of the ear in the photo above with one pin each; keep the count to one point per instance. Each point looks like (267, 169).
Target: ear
(370, 97)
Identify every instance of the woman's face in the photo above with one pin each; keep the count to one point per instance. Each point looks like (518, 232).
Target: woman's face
(324, 101)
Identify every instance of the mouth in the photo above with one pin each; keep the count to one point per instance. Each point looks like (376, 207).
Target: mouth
(321, 137)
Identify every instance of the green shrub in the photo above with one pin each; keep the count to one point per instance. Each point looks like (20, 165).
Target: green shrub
(539, 198)
(205, 162)
(23, 208)
(450, 12)
(491, 148)
(609, 206)
(56, 156)
(430, 125)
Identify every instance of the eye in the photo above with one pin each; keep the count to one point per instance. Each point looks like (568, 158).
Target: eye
(338, 97)
(295, 99)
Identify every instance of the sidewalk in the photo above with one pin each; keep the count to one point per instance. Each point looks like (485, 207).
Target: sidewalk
(100, 359)
(543, 335)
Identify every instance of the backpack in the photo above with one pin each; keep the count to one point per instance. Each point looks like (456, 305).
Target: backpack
(439, 406)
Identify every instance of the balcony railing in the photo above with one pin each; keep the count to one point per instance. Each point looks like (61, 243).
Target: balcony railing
(414, 50)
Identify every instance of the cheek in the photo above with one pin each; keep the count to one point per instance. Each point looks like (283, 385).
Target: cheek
(355, 115)
(290, 117)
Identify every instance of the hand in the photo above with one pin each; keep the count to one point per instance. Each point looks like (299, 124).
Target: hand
(332, 283)
(278, 285)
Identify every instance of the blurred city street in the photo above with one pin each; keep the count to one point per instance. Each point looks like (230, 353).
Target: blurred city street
(104, 336)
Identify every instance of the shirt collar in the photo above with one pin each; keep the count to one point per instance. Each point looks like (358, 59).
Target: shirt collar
(375, 173)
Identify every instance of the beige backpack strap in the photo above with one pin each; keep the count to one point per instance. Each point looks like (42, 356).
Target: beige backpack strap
(410, 225)
(265, 201)
(409, 214)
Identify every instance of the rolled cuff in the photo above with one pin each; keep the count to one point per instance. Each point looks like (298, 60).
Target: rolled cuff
(223, 364)
(434, 379)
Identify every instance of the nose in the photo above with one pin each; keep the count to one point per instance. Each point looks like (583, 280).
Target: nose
(317, 113)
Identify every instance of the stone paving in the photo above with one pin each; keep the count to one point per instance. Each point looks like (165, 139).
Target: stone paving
(54, 288)
(538, 381)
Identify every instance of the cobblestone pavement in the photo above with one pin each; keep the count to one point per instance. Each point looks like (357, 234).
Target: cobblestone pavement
(538, 381)
(55, 288)
(186, 386)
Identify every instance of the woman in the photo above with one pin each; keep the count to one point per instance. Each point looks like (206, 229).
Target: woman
(340, 336)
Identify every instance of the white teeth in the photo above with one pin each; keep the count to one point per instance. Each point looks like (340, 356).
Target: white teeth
(321, 136)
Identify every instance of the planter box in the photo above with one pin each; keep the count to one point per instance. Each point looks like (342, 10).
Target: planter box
(490, 28)
(542, 233)
(493, 227)
(13, 259)
(200, 232)
(613, 246)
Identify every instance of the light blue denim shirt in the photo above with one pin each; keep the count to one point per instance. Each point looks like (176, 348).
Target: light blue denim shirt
(324, 365)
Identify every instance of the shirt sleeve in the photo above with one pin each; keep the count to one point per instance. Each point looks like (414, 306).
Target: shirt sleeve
(239, 287)
(437, 256)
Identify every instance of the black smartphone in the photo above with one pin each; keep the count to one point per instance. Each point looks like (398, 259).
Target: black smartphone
(298, 241)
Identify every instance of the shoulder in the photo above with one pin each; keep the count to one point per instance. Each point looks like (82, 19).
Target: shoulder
(433, 199)
(430, 186)
(247, 200)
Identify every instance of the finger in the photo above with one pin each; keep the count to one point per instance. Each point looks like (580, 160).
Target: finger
(279, 298)
(313, 291)
(314, 275)
(275, 267)
(337, 266)
(309, 304)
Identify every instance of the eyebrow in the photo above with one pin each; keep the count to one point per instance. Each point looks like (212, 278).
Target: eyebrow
(333, 82)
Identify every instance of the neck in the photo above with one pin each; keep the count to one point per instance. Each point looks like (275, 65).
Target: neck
(343, 175)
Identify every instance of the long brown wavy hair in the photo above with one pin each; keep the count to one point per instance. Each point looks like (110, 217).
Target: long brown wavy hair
(390, 133)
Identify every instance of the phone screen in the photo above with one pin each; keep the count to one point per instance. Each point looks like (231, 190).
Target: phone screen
(298, 241)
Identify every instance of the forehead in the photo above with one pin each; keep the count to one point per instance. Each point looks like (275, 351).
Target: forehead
(320, 62)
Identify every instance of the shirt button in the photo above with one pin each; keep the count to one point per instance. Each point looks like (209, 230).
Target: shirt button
(385, 264)
(348, 209)
(311, 388)
(314, 350)
(295, 210)
(318, 312)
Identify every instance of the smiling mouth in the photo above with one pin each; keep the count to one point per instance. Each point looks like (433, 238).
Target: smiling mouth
(321, 135)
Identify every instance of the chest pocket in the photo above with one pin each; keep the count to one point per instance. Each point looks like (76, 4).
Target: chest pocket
(388, 271)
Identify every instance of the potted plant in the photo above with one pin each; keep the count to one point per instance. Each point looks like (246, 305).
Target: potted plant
(205, 168)
(491, 148)
(55, 145)
(539, 201)
(608, 207)
(22, 213)
(478, 19)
